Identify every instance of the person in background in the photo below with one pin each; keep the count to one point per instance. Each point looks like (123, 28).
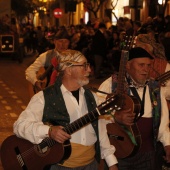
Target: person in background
(52, 109)
(99, 49)
(137, 28)
(61, 42)
(153, 123)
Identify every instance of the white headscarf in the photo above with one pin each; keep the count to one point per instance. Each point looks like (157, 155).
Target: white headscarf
(68, 58)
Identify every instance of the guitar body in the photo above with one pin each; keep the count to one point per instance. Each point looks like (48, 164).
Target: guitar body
(125, 147)
(32, 89)
(18, 154)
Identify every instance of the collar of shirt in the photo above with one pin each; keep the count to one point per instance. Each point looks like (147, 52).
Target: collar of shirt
(133, 83)
(64, 90)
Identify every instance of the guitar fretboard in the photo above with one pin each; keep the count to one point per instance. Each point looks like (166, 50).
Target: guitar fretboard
(81, 122)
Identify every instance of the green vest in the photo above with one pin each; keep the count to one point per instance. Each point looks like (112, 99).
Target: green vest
(55, 111)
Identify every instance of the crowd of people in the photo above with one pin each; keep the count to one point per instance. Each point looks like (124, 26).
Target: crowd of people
(69, 60)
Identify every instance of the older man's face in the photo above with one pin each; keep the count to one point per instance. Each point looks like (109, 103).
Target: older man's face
(61, 44)
(138, 69)
(80, 72)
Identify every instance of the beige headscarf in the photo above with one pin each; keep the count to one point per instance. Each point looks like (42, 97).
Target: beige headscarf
(68, 58)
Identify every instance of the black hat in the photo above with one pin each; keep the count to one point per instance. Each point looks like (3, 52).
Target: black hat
(62, 34)
(139, 52)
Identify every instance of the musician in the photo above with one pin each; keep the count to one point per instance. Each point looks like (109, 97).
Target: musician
(153, 124)
(61, 42)
(61, 104)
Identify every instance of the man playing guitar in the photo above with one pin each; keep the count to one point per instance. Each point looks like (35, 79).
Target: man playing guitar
(153, 122)
(39, 72)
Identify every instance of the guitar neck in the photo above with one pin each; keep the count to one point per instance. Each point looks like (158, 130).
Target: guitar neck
(163, 77)
(73, 127)
(129, 42)
(122, 71)
(81, 122)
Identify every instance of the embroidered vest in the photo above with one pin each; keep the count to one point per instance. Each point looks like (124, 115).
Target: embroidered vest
(55, 111)
(154, 91)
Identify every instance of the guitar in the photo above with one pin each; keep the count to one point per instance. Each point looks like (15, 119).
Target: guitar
(20, 154)
(163, 78)
(41, 74)
(119, 134)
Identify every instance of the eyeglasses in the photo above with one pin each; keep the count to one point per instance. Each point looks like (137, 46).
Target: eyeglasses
(85, 65)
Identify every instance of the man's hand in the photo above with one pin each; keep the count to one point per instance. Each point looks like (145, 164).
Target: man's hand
(113, 167)
(125, 117)
(58, 134)
(167, 152)
(39, 85)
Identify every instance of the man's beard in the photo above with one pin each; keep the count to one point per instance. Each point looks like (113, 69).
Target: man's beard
(83, 82)
(141, 82)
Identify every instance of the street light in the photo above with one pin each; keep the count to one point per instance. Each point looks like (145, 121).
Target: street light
(161, 2)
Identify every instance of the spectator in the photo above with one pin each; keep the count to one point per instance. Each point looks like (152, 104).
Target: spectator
(99, 48)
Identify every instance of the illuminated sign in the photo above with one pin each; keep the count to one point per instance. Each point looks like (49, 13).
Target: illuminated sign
(58, 13)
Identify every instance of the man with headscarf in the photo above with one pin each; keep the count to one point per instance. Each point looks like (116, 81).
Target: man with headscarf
(47, 61)
(52, 109)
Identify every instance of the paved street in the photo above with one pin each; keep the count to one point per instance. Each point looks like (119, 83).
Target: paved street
(14, 94)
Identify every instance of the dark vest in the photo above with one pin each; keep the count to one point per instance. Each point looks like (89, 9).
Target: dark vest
(55, 111)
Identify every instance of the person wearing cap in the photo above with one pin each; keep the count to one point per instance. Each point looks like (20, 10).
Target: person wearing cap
(62, 103)
(45, 60)
(153, 123)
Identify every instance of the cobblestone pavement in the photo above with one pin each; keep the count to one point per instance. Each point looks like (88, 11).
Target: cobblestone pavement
(14, 95)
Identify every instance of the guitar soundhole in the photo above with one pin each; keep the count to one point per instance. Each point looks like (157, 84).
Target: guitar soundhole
(41, 151)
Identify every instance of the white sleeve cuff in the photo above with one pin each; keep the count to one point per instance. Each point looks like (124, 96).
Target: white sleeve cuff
(111, 160)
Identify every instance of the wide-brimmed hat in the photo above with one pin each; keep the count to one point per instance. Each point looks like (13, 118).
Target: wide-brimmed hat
(150, 45)
(62, 34)
(139, 52)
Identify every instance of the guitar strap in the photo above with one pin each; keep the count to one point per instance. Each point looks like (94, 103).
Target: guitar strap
(142, 102)
(135, 93)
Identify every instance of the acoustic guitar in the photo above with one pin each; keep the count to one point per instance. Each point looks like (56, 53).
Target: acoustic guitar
(20, 154)
(41, 74)
(126, 139)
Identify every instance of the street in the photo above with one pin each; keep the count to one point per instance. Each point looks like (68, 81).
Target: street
(14, 94)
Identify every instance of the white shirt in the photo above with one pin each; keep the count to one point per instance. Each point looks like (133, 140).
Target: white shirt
(30, 126)
(164, 133)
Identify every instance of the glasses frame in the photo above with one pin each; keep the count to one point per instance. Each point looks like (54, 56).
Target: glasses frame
(85, 65)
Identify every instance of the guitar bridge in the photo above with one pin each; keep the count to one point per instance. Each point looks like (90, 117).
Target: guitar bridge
(42, 150)
(20, 159)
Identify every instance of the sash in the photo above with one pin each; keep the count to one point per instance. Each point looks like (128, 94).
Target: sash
(80, 156)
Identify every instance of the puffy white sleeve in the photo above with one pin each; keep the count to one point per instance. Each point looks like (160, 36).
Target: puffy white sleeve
(31, 71)
(29, 125)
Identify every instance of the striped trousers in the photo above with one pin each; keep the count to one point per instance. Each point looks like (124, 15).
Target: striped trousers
(141, 161)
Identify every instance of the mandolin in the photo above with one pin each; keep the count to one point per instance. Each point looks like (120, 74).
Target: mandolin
(126, 139)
